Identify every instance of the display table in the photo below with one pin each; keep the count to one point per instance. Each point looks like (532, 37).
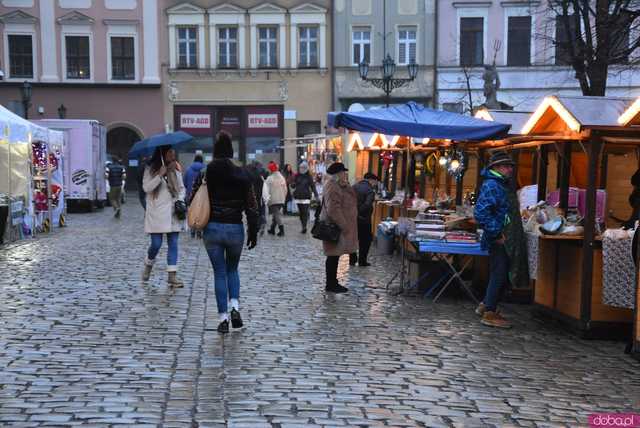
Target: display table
(445, 252)
(558, 290)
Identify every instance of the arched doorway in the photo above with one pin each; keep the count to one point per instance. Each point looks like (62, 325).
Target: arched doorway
(120, 139)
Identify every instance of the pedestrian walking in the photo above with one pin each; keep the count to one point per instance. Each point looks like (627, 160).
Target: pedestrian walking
(231, 193)
(492, 214)
(288, 174)
(163, 185)
(190, 176)
(117, 175)
(339, 206)
(303, 188)
(277, 186)
(366, 194)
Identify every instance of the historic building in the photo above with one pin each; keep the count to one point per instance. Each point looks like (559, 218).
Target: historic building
(369, 31)
(256, 69)
(518, 37)
(85, 59)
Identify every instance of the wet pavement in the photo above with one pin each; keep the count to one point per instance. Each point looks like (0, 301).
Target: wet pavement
(84, 342)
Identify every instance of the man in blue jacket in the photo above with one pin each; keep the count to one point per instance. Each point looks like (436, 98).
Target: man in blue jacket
(192, 173)
(492, 215)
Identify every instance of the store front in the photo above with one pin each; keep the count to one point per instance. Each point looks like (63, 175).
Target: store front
(256, 131)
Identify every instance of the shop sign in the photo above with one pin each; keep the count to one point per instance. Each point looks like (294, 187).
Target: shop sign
(195, 121)
(263, 121)
(231, 121)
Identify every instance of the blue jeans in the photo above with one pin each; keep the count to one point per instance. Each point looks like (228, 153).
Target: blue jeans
(172, 253)
(224, 246)
(498, 275)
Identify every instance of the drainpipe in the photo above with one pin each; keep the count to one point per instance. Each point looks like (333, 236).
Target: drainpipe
(332, 58)
(435, 54)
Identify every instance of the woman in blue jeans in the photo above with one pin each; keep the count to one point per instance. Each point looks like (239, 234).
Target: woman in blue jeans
(230, 193)
(162, 184)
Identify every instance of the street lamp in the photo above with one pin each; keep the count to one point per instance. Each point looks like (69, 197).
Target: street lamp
(62, 111)
(25, 92)
(387, 83)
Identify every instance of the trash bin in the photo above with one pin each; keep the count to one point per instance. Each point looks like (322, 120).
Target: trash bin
(385, 239)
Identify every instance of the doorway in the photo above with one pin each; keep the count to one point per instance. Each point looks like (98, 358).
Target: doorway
(119, 141)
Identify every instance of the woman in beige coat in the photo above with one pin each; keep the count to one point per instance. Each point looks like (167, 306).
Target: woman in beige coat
(340, 206)
(163, 186)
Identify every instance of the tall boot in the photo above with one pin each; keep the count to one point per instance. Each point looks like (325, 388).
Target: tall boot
(281, 230)
(173, 280)
(272, 230)
(148, 266)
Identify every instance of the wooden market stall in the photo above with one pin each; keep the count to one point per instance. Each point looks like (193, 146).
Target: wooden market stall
(578, 141)
(631, 118)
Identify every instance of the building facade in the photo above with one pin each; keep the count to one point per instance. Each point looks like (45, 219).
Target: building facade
(518, 37)
(259, 71)
(369, 30)
(85, 59)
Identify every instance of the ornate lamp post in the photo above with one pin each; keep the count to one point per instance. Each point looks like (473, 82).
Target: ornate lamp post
(387, 83)
(62, 111)
(25, 93)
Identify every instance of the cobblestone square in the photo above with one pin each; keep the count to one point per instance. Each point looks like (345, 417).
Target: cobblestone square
(84, 342)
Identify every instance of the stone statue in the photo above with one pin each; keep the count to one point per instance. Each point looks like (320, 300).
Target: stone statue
(491, 86)
(174, 92)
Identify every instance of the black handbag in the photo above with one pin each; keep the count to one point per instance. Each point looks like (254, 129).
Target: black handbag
(325, 230)
(180, 209)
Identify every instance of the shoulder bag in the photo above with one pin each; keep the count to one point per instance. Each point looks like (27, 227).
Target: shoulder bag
(200, 208)
(325, 230)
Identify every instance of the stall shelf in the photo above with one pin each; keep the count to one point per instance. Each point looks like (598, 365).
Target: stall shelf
(569, 278)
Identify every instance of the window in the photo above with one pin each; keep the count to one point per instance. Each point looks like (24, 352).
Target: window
(20, 56)
(309, 47)
(268, 47)
(519, 41)
(471, 41)
(78, 60)
(407, 45)
(228, 47)
(187, 47)
(564, 39)
(122, 58)
(361, 46)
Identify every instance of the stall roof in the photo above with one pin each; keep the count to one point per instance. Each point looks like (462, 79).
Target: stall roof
(20, 129)
(576, 113)
(516, 119)
(418, 121)
(631, 116)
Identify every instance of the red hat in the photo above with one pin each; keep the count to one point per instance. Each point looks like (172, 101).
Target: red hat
(272, 166)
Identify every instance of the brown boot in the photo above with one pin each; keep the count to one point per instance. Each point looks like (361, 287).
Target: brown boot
(173, 280)
(495, 319)
(146, 273)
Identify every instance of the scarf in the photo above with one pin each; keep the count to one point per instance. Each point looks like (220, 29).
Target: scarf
(171, 180)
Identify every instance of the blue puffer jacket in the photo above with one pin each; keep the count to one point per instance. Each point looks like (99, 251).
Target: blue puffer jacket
(190, 176)
(492, 207)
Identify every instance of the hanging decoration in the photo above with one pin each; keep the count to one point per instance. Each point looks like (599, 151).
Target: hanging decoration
(39, 157)
(430, 164)
(457, 164)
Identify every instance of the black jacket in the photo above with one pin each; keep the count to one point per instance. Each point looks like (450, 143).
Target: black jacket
(304, 187)
(230, 193)
(366, 197)
(257, 181)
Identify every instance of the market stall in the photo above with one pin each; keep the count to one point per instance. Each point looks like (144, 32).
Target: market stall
(580, 255)
(15, 176)
(412, 130)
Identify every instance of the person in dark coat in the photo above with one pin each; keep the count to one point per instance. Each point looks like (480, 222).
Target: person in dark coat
(255, 170)
(365, 191)
(303, 187)
(288, 174)
(231, 194)
(192, 173)
(493, 215)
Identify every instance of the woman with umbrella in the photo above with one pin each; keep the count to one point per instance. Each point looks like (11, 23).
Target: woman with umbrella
(162, 183)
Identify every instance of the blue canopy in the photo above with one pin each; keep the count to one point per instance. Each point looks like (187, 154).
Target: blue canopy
(415, 120)
(147, 146)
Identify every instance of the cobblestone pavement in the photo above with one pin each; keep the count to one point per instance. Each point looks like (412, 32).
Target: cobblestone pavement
(83, 342)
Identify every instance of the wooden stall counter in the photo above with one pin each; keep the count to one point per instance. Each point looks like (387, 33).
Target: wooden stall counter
(561, 295)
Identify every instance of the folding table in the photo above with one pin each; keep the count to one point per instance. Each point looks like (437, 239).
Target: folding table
(442, 250)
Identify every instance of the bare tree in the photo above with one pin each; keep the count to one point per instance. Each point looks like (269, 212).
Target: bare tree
(594, 35)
